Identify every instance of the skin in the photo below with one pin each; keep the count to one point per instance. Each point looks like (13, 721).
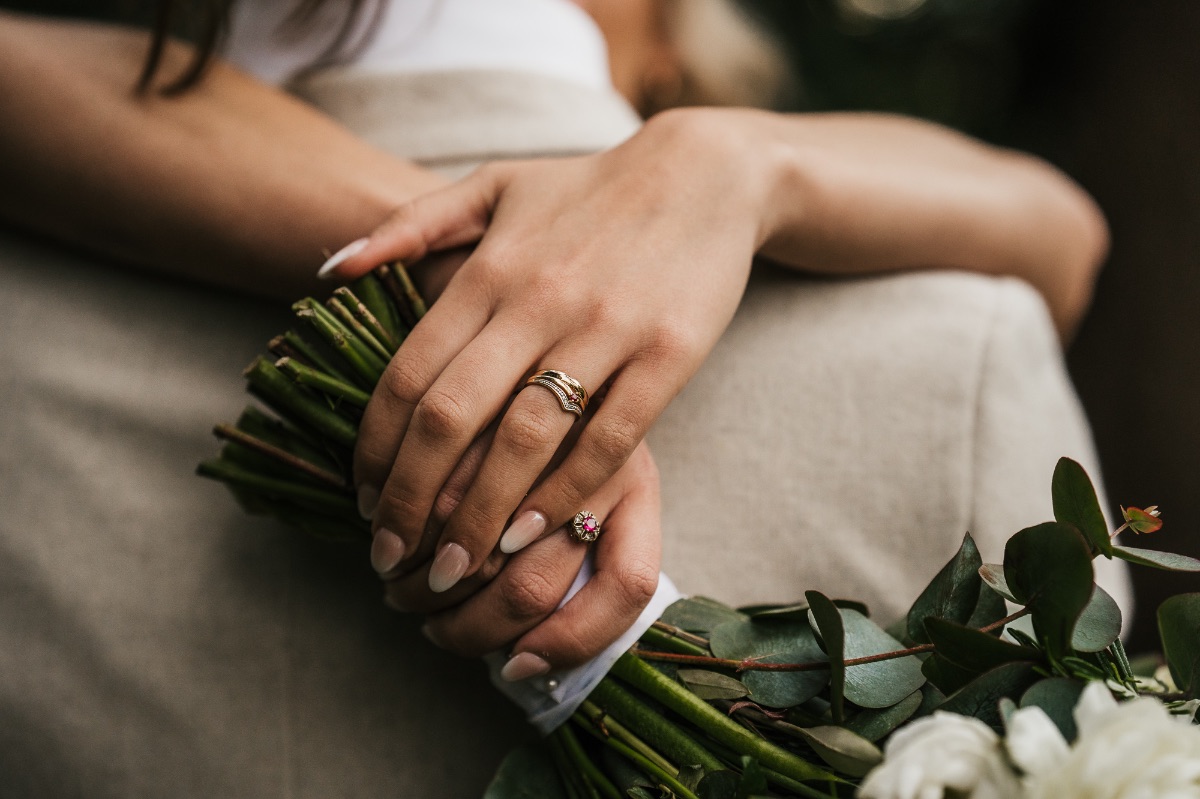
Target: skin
(845, 194)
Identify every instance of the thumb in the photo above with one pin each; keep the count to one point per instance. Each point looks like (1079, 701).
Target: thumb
(449, 217)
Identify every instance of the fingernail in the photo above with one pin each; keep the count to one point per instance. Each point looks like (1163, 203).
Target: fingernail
(524, 531)
(349, 251)
(387, 550)
(522, 666)
(368, 501)
(448, 567)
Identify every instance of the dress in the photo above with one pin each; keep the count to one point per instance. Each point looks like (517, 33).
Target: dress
(154, 641)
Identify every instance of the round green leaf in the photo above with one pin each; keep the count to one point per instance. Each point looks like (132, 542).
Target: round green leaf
(876, 723)
(1057, 697)
(773, 642)
(827, 621)
(699, 614)
(993, 575)
(1179, 627)
(952, 594)
(526, 773)
(1099, 624)
(711, 684)
(973, 650)
(884, 682)
(981, 697)
(1049, 570)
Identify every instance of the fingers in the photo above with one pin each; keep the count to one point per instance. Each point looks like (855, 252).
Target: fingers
(529, 435)
(534, 581)
(635, 398)
(449, 217)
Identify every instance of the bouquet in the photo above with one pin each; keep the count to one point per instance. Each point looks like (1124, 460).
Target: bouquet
(1004, 680)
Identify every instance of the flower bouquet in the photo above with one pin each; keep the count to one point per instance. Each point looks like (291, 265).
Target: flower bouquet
(1004, 680)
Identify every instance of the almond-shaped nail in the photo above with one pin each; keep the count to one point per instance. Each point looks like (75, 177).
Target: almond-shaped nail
(349, 251)
(448, 567)
(368, 501)
(522, 666)
(387, 550)
(523, 532)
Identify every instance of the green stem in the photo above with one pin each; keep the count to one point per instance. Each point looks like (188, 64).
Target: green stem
(307, 376)
(314, 357)
(597, 781)
(373, 324)
(290, 439)
(228, 432)
(317, 499)
(799, 788)
(295, 403)
(610, 727)
(655, 637)
(366, 365)
(569, 776)
(355, 326)
(652, 727)
(648, 766)
(396, 281)
(647, 679)
(679, 632)
(369, 289)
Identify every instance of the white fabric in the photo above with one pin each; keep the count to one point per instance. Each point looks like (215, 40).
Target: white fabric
(542, 37)
(550, 701)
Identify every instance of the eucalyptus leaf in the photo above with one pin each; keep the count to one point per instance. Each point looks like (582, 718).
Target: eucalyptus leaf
(719, 785)
(827, 620)
(846, 751)
(952, 594)
(1075, 503)
(753, 780)
(689, 776)
(1057, 697)
(992, 575)
(1049, 569)
(797, 610)
(884, 682)
(527, 772)
(874, 724)
(640, 792)
(699, 614)
(773, 642)
(853, 604)
(980, 698)
(1158, 560)
(1099, 624)
(711, 684)
(1179, 628)
(973, 650)
(948, 677)
(990, 608)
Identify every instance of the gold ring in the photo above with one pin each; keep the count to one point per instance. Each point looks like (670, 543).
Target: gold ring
(572, 396)
(585, 527)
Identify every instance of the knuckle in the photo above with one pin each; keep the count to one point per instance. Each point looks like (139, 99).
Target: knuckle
(401, 385)
(442, 414)
(491, 567)
(613, 439)
(403, 515)
(571, 647)
(636, 586)
(671, 340)
(527, 431)
(528, 597)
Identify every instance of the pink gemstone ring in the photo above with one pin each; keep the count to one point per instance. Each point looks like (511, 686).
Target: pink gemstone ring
(572, 396)
(585, 527)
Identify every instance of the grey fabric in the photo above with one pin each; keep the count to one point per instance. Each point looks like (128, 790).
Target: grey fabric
(155, 642)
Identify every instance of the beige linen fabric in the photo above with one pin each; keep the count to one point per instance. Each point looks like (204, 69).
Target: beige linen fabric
(155, 642)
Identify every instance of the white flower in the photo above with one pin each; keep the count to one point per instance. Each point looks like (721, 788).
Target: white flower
(943, 756)
(1127, 750)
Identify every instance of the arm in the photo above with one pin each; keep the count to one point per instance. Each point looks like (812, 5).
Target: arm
(233, 183)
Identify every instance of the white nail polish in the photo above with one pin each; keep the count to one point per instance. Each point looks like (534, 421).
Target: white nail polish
(349, 251)
(387, 550)
(368, 501)
(524, 531)
(522, 666)
(448, 568)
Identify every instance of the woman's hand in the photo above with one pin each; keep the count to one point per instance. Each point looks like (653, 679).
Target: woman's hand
(514, 598)
(621, 269)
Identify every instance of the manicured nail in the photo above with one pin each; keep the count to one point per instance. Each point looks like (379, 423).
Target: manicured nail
(368, 501)
(523, 532)
(349, 251)
(448, 568)
(522, 666)
(387, 550)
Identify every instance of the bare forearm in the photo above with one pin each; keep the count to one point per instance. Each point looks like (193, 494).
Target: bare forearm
(233, 183)
(861, 193)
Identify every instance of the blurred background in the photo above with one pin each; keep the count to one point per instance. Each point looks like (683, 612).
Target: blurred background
(1110, 93)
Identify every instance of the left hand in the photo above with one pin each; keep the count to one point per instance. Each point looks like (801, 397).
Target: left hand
(621, 268)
